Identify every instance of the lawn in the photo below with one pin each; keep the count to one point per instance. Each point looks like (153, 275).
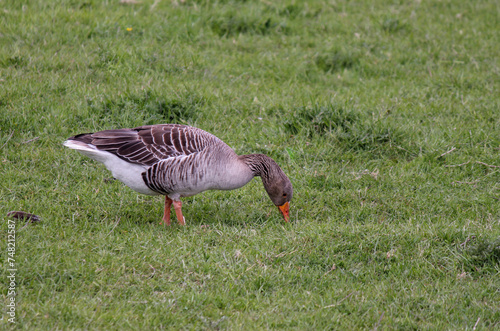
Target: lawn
(384, 114)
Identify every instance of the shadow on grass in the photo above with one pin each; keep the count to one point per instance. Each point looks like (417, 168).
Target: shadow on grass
(353, 130)
(156, 109)
(483, 256)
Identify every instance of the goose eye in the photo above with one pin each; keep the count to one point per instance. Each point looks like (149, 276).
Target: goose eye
(284, 195)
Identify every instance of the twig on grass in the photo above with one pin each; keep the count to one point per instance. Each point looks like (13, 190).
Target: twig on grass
(338, 303)
(469, 238)
(154, 5)
(25, 225)
(488, 165)
(334, 266)
(379, 320)
(448, 152)
(478, 162)
(468, 183)
(456, 165)
(8, 138)
(31, 140)
(212, 324)
(285, 253)
(403, 149)
(250, 267)
(119, 219)
(154, 271)
(475, 325)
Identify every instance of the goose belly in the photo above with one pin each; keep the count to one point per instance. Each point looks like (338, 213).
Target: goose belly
(128, 173)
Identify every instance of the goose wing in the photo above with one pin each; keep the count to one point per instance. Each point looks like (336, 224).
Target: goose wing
(149, 144)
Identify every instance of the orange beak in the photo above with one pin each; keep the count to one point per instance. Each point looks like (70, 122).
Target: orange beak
(285, 211)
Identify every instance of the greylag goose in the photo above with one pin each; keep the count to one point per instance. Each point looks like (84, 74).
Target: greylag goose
(180, 161)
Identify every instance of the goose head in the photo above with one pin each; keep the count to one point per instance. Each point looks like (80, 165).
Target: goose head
(276, 183)
(280, 191)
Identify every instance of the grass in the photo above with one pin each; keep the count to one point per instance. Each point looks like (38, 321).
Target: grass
(383, 114)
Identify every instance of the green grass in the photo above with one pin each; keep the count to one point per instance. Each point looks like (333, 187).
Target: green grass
(358, 101)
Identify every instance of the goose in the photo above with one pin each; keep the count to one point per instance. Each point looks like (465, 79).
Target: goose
(180, 161)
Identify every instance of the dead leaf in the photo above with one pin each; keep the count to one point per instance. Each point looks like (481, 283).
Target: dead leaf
(22, 215)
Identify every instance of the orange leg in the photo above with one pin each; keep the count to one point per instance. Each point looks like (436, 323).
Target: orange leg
(166, 213)
(178, 212)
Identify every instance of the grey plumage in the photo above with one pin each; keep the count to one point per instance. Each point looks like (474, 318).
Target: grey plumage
(178, 161)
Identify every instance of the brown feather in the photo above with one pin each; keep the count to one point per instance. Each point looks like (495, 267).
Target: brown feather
(118, 133)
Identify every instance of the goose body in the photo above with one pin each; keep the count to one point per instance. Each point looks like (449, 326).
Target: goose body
(180, 161)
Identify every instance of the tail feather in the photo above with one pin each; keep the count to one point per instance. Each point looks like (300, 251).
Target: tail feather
(79, 145)
(83, 137)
